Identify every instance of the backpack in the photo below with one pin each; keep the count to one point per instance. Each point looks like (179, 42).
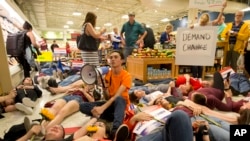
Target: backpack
(15, 43)
(239, 84)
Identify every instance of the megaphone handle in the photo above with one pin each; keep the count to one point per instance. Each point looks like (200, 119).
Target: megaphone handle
(101, 79)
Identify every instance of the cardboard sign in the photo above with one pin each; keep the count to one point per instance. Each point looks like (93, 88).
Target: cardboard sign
(205, 4)
(59, 51)
(196, 46)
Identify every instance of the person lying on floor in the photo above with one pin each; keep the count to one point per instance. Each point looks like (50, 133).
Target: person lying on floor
(7, 102)
(212, 97)
(168, 131)
(218, 122)
(27, 94)
(140, 96)
(69, 104)
(93, 130)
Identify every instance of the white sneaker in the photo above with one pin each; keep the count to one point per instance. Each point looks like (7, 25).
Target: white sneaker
(23, 108)
(27, 123)
(28, 102)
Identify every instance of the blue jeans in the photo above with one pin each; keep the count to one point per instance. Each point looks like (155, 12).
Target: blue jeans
(69, 80)
(29, 57)
(114, 113)
(217, 133)
(128, 51)
(177, 128)
(77, 98)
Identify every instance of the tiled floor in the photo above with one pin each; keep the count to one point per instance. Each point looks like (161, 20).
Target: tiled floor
(12, 118)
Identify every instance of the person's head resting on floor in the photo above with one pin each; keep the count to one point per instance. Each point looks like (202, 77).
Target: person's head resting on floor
(163, 102)
(244, 118)
(116, 59)
(54, 133)
(199, 98)
(185, 89)
(136, 95)
(103, 130)
(27, 81)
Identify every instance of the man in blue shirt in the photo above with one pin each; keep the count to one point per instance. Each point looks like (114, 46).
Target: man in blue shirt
(134, 35)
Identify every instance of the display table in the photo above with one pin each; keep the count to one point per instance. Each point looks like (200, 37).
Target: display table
(138, 67)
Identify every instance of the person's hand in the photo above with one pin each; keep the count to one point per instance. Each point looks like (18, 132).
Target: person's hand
(123, 42)
(196, 111)
(36, 129)
(187, 76)
(138, 41)
(70, 90)
(141, 116)
(20, 87)
(224, 5)
(12, 94)
(172, 84)
(97, 111)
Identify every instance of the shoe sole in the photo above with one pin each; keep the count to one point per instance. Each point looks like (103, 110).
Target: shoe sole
(27, 123)
(28, 102)
(23, 108)
(122, 133)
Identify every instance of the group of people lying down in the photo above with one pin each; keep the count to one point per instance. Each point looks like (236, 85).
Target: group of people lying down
(190, 101)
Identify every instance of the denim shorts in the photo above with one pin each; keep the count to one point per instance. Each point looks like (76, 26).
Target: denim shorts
(68, 98)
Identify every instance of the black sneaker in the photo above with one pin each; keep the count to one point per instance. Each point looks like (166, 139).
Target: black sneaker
(122, 133)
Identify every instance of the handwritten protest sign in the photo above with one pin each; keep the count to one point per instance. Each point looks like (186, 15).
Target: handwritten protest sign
(205, 4)
(196, 46)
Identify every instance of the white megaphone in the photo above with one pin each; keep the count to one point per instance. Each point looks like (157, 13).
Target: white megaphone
(90, 73)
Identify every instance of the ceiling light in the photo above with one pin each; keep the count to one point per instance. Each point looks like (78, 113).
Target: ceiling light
(165, 20)
(156, 11)
(70, 22)
(108, 24)
(125, 17)
(77, 14)
(65, 26)
(246, 9)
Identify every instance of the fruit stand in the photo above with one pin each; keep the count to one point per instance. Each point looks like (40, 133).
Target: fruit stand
(147, 65)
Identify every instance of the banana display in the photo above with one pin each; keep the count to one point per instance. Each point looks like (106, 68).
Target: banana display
(153, 53)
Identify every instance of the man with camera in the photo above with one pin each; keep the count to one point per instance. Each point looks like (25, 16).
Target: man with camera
(117, 83)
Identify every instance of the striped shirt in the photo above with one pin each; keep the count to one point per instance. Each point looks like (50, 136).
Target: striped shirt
(90, 57)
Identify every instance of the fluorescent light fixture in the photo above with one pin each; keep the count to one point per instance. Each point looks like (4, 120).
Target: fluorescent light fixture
(77, 14)
(12, 12)
(97, 28)
(147, 25)
(65, 26)
(125, 17)
(70, 22)
(165, 20)
(246, 9)
(108, 24)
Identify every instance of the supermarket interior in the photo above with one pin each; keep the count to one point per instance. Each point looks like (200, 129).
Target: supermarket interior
(124, 70)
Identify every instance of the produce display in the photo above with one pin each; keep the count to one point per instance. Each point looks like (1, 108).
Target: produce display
(153, 53)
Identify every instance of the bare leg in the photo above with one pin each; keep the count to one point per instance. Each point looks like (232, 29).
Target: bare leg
(64, 89)
(70, 108)
(10, 108)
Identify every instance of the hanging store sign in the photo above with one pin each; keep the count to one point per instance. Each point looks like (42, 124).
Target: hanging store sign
(205, 4)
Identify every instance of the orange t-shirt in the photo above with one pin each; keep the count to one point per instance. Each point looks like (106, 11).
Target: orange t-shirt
(115, 81)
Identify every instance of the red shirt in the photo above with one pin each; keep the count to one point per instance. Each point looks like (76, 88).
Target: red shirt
(182, 80)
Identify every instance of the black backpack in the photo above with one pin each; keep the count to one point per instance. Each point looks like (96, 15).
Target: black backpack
(15, 43)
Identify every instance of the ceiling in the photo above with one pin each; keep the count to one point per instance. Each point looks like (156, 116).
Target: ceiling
(52, 15)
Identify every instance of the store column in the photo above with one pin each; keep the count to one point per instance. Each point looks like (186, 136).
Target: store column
(5, 79)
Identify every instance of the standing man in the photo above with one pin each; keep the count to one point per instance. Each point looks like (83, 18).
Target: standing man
(149, 39)
(54, 45)
(134, 35)
(236, 34)
(118, 82)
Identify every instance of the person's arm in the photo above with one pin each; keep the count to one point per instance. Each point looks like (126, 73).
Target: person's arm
(35, 130)
(215, 22)
(89, 97)
(141, 116)
(122, 36)
(83, 130)
(90, 29)
(32, 39)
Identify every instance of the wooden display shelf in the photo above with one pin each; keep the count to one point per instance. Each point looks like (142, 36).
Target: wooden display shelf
(137, 67)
